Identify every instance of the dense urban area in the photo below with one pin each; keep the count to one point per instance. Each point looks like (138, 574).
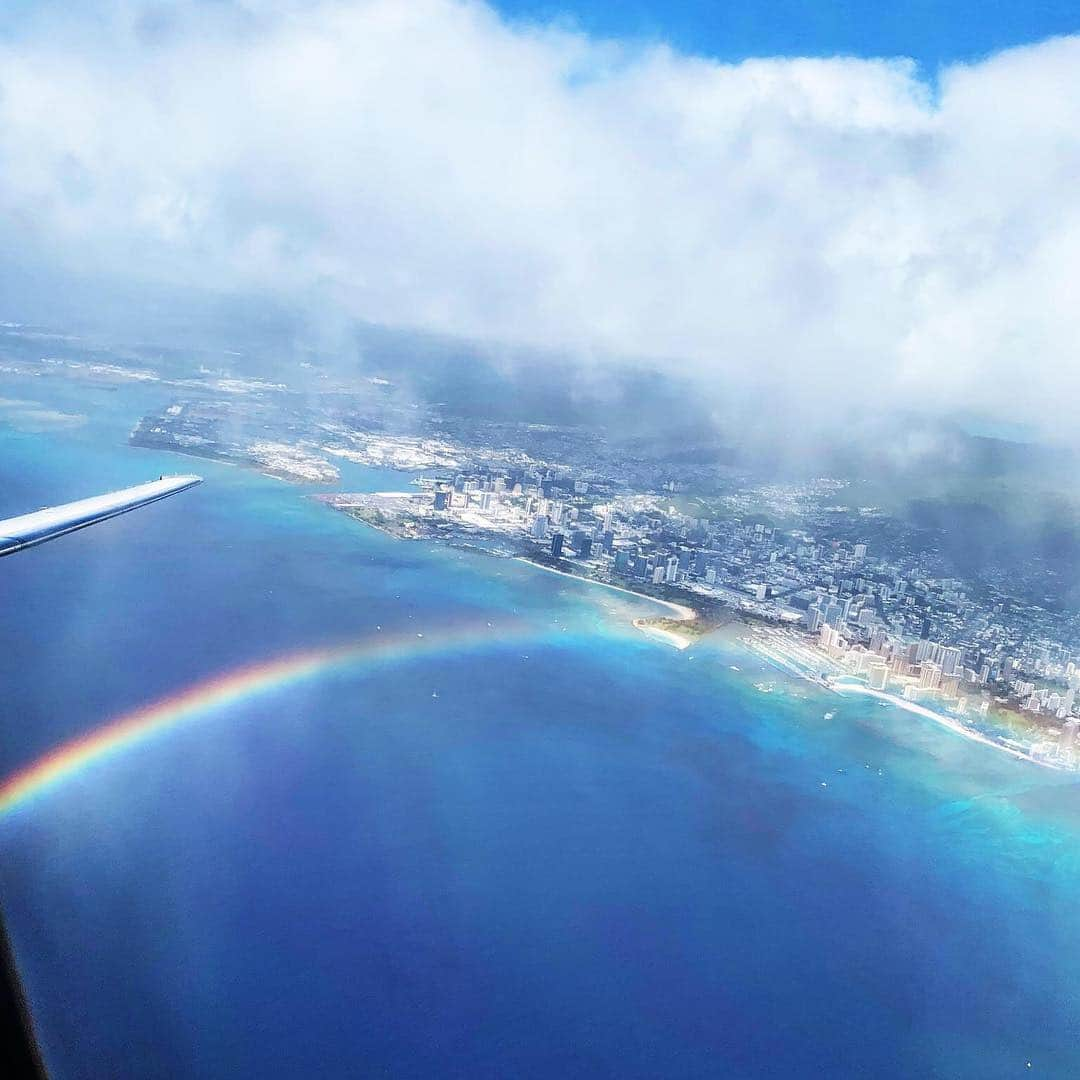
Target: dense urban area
(833, 590)
(839, 606)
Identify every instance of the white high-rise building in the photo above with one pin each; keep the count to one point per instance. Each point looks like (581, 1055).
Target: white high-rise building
(1068, 737)
(951, 658)
(929, 676)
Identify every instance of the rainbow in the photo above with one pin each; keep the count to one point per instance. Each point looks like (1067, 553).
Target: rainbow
(148, 722)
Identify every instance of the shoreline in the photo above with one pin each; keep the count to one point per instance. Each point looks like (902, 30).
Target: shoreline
(774, 648)
(684, 613)
(778, 655)
(944, 721)
(669, 637)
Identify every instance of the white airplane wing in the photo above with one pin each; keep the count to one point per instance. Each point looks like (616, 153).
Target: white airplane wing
(22, 532)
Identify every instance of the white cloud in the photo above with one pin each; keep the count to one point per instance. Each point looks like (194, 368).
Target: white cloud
(422, 163)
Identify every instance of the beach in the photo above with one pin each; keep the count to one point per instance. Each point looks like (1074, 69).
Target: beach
(684, 613)
(944, 720)
(799, 658)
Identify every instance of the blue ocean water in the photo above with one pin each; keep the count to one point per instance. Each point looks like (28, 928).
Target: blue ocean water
(589, 855)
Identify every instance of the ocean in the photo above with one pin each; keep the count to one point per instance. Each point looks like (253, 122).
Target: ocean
(429, 813)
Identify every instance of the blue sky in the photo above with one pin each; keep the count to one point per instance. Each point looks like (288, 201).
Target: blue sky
(932, 32)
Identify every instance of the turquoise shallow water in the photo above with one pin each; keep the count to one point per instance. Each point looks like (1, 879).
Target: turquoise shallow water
(589, 855)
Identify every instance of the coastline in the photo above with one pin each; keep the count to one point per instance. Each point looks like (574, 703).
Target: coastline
(683, 613)
(794, 659)
(945, 721)
(669, 637)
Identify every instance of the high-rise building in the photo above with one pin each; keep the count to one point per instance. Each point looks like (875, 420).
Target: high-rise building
(860, 551)
(929, 675)
(557, 545)
(878, 676)
(1069, 735)
(951, 659)
(672, 569)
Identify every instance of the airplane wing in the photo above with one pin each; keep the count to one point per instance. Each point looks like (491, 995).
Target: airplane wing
(22, 532)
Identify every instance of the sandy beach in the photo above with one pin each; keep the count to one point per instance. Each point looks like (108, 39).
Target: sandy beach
(942, 719)
(800, 659)
(682, 612)
(669, 637)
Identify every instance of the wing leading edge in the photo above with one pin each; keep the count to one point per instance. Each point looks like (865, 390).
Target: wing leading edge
(22, 532)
